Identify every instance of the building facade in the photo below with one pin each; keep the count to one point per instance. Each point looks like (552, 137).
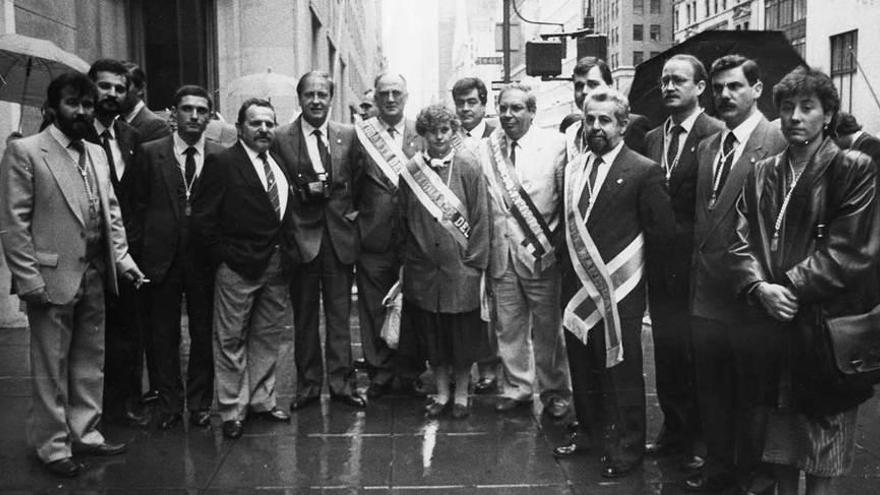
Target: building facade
(695, 16)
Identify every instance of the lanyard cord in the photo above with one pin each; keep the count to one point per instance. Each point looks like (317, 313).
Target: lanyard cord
(778, 224)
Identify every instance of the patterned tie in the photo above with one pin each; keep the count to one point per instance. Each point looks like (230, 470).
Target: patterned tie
(672, 150)
(724, 168)
(322, 151)
(105, 143)
(271, 186)
(189, 170)
(513, 146)
(586, 194)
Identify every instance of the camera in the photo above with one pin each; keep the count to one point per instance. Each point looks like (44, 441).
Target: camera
(315, 190)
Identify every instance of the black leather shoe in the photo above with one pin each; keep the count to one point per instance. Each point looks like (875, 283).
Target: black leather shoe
(276, 414)
(613, 470)
(662, 449)
(376, 390)
(435, 408)
(506, 404)
(556, 408)
(66, 467)
(233, 429)
(150, 397)
(200, 418)
(485, 385)
(702, 483)
(169, 420)
(353, 399)
(104, 449)
(569, 450)
(301, 402)
(692, 463)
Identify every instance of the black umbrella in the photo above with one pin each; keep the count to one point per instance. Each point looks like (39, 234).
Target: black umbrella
(770, 49)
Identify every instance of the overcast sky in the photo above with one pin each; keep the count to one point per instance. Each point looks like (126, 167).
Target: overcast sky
(410, 43)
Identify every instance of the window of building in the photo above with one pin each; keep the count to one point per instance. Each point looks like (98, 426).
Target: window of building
(716, 6)
(746, 26)
(675, 19)
(655, 32)
(656, 7)
(707, 8)
(638, 32)
(843, 52)
(638, 6)
(638, 57)
(688, 14)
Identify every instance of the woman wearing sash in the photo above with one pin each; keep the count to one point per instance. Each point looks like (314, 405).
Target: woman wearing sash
(805, 246)
(445, 250)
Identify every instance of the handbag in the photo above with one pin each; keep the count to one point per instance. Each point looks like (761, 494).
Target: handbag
(855, 341)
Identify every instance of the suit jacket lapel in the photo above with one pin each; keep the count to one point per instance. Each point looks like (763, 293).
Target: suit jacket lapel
(730, 191)
(706, 162)
(615, 176)
(61, 166)
(168, 168)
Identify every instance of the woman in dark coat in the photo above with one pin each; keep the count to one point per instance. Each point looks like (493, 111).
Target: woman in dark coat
(806, 243)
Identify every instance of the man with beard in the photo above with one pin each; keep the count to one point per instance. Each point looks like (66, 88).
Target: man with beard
(63, 238)
(241, 212)
(522, 164)
(134, 109)
(388, 141)
(617, 218)
(169, 169)
(719, 319)
(590, 74)
(673, 145)
(322, 159)
(125, 339)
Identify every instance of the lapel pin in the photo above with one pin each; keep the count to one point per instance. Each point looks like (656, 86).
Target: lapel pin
(752, 160)
(620, 181)
(693, 148)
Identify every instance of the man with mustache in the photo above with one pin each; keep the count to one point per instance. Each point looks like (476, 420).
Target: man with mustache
(522, 165)
(64, 243)
(618, 218)
(241, 212)
(125, 333)
(387, 141)
(673, 145)
(322, 159)
(718, 318)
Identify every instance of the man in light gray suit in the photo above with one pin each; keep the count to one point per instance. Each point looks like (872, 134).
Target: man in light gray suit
(64, 240)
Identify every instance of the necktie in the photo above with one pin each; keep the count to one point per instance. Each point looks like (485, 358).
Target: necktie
(322, 151)
(391, 132)
(271, 186)
(79, 146)
(189, 169)
(587, 193)
(513, 146)
(723, 169)
(105, 143)
(468, 133)
(672, 149)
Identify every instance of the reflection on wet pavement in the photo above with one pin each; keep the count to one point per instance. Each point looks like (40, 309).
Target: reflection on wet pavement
(390, 447)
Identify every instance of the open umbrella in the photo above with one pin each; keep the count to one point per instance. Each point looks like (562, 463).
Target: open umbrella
(28, 65)
(770, 49)
(267, 85)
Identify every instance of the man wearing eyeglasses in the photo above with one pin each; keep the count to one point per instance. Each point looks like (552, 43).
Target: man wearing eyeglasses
(673, 145)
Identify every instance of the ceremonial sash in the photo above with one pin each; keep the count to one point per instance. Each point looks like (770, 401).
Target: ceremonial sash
(602, 285)
(572, 147)
(381, 148)
(436, 197)
(534, 248)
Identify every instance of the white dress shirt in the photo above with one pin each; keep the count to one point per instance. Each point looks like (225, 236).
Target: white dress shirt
(118, 162)
(180, 148)
(312, 145)
(280, 179)
(687, 125)
(536, 169)
(135, 111)
(400, 127)
(607, 159)
(742, 133)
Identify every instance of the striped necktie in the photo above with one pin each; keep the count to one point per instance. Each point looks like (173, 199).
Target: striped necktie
(271, 185)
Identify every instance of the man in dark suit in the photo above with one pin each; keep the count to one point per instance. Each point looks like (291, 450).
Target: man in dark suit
(322, 159)
(65, 244)
(851, 136)
(719, 320)
(380, 232)
(168, 175)
(241, 211)
(590, 74)
(470, 95)
(125, 344)
(618, 217)
(673, 145)
(135, 111)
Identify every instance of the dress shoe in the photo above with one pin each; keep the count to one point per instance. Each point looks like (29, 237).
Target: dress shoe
(613, 470)
(376, 390)
(102, 449)
(66, 467)
(556, 408)
(506, 404)
(485, 385)
(150, 397)
(692, 463)
(169, 420)
(200, 418)
(577, 445)
(703, 483)
(435, 408)
(301, 402)
(129, 418)
(353, 400)
(361, 364)
(460, 411)
(233, 429)
(276, 414)
(661, 448)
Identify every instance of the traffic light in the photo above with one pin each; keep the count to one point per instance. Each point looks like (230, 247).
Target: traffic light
(544, 58)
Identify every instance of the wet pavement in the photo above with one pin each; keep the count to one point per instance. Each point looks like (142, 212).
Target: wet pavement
(390, 447)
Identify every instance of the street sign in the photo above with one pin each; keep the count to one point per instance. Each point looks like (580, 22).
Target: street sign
(490, 60)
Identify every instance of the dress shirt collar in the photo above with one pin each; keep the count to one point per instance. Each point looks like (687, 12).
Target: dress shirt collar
(524, 141)
(135, 111)
(477, 131)
(687, 124)
(253, 154)
(400, 127)
(99, 127)
(180, 145)
(308, 129)
(609, 157)
(744, 130)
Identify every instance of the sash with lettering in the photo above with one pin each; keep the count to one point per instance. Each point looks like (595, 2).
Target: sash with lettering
(603, 285)
(534, 247)
(381, 148)
(436, 197)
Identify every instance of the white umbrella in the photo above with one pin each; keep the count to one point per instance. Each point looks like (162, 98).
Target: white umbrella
(28, 65)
